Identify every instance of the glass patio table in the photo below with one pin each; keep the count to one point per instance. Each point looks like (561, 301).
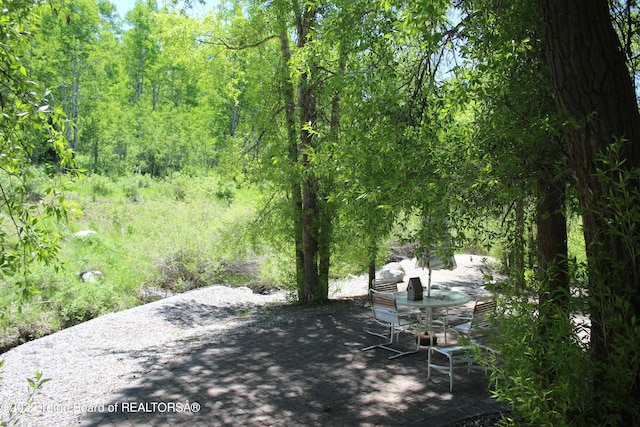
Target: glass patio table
(439, 298)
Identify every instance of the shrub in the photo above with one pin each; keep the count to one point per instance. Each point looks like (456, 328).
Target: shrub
(180, 184)
(132, 186)
(32, 321)
(184, 270)
(100, 185)
(543, 370)
(132, 193)
(225, 192)
(78, 302)
(26, 188)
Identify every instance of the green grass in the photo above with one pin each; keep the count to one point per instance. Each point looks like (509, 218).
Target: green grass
(175, 234)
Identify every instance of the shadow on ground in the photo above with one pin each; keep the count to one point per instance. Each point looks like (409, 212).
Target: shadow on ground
(193, 314)
(297, 367)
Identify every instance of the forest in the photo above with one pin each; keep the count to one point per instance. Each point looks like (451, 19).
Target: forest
(335, 129)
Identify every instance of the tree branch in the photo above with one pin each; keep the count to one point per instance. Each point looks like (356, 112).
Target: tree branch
(231, 46)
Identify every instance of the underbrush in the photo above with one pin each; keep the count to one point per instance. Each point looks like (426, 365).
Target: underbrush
(136, 233)
(140, 239)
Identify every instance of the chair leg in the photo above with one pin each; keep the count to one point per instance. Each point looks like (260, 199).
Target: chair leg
(442, 367)
(445, 326)
(451, 374)
(403, 353)
(389, 341)
(378, 334)
(446, 342)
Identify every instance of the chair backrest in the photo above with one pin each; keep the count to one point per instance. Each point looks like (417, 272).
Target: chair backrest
(482, 314)
(385, 287)
(384, 307)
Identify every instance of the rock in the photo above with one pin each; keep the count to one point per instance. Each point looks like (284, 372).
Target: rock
(262, 287)
(152, 293)
(392, 272)
(85, 233)
(91, 276)
(393, 266)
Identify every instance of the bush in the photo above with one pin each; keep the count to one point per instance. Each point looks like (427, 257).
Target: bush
(132, 192)
(184, 270)
(27, 188)
(225, 192)
(78, 302)
(31, 322)
(132, 186)
(100, 185)
(544, 369)
(180, 186)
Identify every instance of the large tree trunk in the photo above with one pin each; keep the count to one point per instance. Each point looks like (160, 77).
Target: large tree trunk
(551, 224)
(293, 154)
(310, 186)
(592, 84)
(553, 309)
(328, 207)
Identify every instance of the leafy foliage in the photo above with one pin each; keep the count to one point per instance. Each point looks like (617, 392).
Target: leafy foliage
(28, 119)
(16, 411)
(545, 377)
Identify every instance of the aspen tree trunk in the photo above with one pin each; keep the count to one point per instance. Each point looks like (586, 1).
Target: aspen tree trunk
(155, 96)
(139, 84)
(75, 101)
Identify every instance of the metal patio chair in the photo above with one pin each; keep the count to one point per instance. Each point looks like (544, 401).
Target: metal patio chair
(385, 312)
(465, 355)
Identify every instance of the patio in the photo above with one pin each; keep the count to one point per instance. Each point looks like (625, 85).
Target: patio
(308, 369)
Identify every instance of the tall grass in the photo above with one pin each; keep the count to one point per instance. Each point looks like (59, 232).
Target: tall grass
(173, 235)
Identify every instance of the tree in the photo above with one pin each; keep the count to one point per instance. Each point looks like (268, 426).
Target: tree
(61, 56)
(516, 123)
(592, 86)
(103, 92)
(74, 54)
(312, 290)
(299, 81)
(141, 48)
(27, 118)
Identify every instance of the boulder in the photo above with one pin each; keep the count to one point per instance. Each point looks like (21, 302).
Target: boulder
(390, 273)
(393, 266)
(91, 276)
(85, 233)
(151, 293)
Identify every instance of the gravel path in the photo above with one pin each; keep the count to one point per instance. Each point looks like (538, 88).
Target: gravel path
(97, 358)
